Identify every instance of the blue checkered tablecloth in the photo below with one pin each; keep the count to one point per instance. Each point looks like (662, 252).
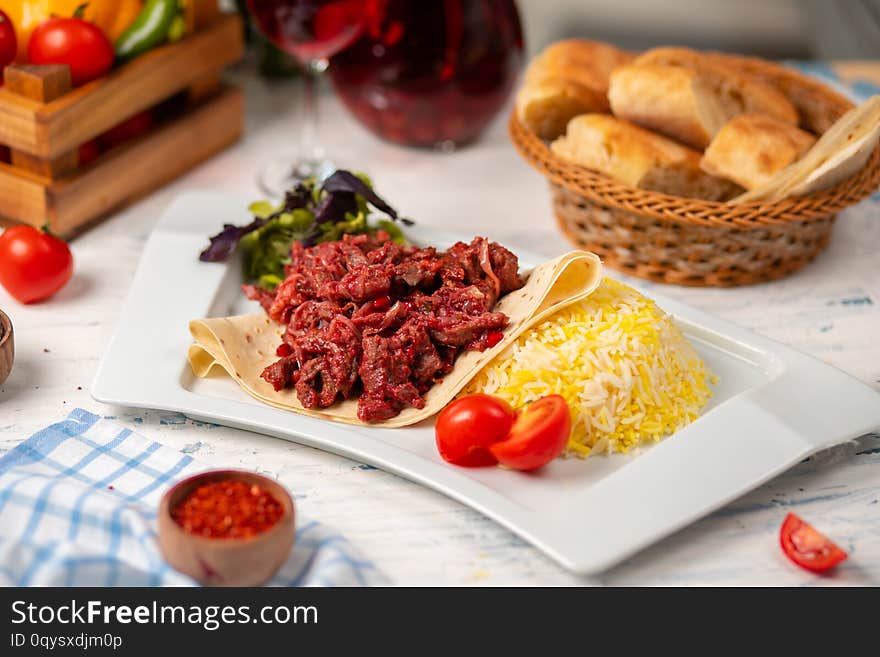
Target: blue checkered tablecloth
(78, 507)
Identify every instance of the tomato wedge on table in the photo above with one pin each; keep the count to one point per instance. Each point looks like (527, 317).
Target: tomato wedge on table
(538, 436)
(807, 547)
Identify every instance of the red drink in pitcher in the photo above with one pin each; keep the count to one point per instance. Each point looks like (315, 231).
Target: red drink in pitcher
(431, 72)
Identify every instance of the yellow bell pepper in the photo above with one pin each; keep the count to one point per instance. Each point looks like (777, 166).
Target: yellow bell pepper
(111, 16)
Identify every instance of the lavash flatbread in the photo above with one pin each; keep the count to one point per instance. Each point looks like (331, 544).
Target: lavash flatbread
(244, 345)
(839, 153)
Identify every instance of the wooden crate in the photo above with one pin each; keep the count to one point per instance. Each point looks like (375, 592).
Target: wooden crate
(43, 122)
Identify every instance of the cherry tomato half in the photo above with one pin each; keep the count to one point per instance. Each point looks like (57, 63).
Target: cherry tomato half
(8, 43)
(467, 426)
(33, 265)
(538, 436)
(807, 547)
(74, 42)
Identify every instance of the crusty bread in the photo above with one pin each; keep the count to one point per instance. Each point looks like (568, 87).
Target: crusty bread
(568, 78)
(740, 91)
(638, 157)
(840, 152)
(672, 100)
(589, 62)
(671, 56)
(691, 103)
(750, 148)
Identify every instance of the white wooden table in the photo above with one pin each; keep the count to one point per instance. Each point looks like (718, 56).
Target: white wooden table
(418, 537)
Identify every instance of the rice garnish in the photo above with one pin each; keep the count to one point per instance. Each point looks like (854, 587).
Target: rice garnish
(627, 372)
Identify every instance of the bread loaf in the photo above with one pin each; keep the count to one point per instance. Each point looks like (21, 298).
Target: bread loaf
(688, 97)
(750, 148)
(638, 157)
(742, 91)
(566, 79)
(672, 100)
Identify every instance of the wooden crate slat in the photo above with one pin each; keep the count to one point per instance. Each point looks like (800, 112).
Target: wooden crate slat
(18, 125)
(50, 169)
(22, 198)
(146, 164)
(52, 129)
(40, 83)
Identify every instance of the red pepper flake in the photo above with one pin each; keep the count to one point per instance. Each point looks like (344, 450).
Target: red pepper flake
(227, 509)
(283, 350)
(494, 338)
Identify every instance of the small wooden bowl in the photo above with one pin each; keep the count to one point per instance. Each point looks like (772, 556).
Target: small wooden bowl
(7, 347)
(226, 561)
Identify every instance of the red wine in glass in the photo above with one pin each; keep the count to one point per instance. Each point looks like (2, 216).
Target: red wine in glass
(312, 31)
(431, 72)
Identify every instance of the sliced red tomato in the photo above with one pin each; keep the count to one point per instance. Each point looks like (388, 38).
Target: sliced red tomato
(132, 127)
(538, 436)
(807, 547)
(468, 426)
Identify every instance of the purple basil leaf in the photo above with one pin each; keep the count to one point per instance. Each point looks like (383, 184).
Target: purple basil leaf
(346, 181)
(334, 206)
(298, 197)
(224, 243)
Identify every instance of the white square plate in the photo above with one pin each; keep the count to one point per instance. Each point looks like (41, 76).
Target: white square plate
(772, 407)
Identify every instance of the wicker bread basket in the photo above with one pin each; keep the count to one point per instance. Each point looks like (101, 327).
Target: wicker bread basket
(688, 241)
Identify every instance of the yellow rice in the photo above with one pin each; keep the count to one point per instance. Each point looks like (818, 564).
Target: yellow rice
(627, 372)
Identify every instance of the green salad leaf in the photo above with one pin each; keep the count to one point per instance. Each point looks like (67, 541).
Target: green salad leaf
(309, 214)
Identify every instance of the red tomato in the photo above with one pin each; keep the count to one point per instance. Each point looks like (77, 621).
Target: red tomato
(89, 152)
(469, 425)
(33, 265)
(538, 436)
(74, 42)
(807, 547)
(8, 43)
(129, 129)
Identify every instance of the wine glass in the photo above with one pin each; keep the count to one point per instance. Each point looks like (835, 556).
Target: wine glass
(312, 31)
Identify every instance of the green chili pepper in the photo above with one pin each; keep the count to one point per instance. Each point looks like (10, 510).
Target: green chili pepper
(148, 30)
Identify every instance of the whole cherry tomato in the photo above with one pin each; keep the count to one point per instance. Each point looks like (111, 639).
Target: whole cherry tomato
(33, 264)
(8, 43)
(75, 42)
(129, 129)
(807, 547)
(89, 152)
(467, 426)
(538, 436)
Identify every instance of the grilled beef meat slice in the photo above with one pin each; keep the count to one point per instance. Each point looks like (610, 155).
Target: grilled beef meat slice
(365, 315)
(281, 373)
